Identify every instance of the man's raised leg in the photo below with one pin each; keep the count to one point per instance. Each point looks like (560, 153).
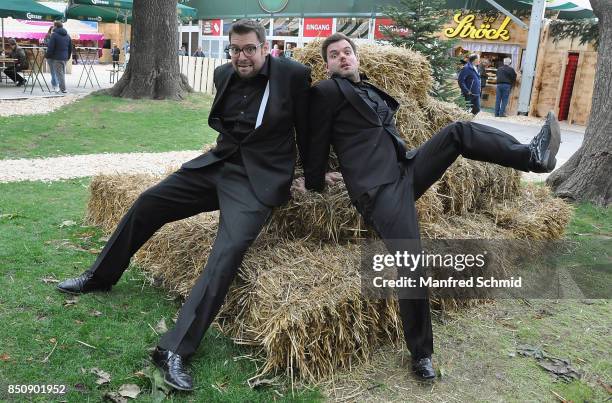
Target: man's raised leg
(180, 195)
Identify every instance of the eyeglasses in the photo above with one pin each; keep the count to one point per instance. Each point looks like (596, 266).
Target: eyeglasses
(248, 50)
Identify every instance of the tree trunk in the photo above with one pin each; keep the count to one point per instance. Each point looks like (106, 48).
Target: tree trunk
(587, 175)
(153, 69)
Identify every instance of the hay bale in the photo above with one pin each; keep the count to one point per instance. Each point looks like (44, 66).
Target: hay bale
(472, 185)
(301, 301)
(302, 304)
(399, 71)
(110, 197)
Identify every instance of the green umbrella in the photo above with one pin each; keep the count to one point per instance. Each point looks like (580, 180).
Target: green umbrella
(183, 11)
(26, 10)
(98, 14)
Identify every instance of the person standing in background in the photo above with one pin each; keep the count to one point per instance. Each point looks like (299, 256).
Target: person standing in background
(59, 50)
(482, 70)
(469, 82)
(115, 52)
(506, 77)
(51, 71)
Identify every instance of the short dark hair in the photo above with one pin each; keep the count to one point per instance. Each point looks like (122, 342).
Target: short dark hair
(244, 26)
(337, 37)
(58, 24)
(473, 57)
(12, 41)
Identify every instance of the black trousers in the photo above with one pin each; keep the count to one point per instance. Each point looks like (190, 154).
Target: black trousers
(222, 186)
(390, 208)
(12, 73)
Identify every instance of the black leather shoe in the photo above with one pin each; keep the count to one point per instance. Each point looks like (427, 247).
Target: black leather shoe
(545, 145)
(82, 284)
(171, 365)
(19, 84)
(423, 368)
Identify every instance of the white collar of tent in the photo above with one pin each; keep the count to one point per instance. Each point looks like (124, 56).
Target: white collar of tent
(565, 5)
(14, 28)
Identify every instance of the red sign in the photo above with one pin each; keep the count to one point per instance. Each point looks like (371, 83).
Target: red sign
(211, 27)
(317, 27)
(389, 24)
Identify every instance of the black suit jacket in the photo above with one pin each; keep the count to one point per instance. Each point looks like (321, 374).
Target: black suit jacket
(268, 152)
(367, 152)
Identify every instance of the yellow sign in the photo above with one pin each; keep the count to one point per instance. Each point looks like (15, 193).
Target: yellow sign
(466, 29)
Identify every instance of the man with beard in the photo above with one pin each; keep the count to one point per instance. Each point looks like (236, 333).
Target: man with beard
(384, 178)
(259, 103)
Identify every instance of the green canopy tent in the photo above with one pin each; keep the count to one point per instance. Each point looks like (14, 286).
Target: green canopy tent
(26, 10)
(117, 10)
(184, 12)
(98, 14)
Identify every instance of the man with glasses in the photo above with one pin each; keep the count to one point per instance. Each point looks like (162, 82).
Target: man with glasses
(259, 102)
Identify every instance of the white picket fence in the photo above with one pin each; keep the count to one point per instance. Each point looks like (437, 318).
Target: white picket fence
(199, 72)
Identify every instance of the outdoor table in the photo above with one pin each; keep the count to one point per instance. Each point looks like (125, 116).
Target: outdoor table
(4, 61)
(88, 56)
(38, 53)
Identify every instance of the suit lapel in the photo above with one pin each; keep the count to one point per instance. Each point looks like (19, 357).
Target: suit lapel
(351, 96)
(227, 75)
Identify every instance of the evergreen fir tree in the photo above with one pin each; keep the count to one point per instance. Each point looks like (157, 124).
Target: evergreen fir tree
(423, 20)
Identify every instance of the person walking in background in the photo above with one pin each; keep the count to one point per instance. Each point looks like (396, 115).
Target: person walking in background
(51, 71)
(58, 52)
(288, 53)
(21, 64)
(115, 52)
(482, 70)
(506, 77)
(199, 52)
(469, 82)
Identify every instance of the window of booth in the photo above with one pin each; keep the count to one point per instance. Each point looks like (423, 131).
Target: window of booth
(286, 26)
(354, 27)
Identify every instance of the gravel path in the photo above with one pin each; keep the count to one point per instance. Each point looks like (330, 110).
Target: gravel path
(78, 166)
(35, 106)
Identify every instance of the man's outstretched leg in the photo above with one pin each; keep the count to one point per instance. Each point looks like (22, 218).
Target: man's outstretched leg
(182, 194)
(484, 143)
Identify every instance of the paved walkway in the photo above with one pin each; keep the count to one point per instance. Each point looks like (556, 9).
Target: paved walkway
(78, 166)
(8, 91)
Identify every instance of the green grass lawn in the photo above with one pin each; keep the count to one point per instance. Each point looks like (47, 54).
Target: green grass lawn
(50, 338)
(42, 331)
(100, 123)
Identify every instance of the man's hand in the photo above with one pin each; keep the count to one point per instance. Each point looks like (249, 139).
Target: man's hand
(299, 185)
(331, 178)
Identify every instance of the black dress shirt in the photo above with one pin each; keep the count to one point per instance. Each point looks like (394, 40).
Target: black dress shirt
(240, 105)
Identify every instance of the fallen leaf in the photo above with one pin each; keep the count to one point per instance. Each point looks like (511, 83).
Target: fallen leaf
(5, 357)
(258, 383)
(161, 326)
(49, 280)
(606, 386)
(71, 301)
(114, 397)
(559, 367)
(159, 389)
(103, 377)
(104, 239)
(52, 340)
(67, 223)
(129, 390)
(78, 322)
(139, 374)
(96, 313)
